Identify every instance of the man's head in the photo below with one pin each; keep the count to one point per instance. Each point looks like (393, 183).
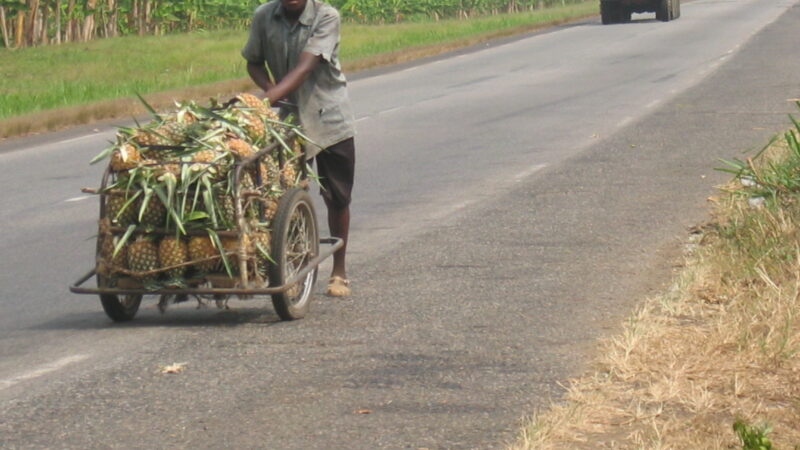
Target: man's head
(294, 7)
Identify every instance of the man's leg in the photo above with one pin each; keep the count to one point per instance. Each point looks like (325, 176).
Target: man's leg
(336, 166)
(339, 225)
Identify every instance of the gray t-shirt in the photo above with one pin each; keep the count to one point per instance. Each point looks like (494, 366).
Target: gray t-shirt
(323, 106)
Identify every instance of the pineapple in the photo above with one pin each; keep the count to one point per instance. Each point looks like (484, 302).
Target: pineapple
(256, 104)
(173, 168)
(116, 213)
(161, 136)
(272, 116)
(297, 147)
(108, 261)
(143, 257)
(201, 247)
(289, 175)
(147, 137)
(269, 171)
(227, 210)
(231, 247)
(171, 252)
(155, 214)
(246, 181)
(204, 156)
(125, 157)
(240, 148)
(270, 209)
(253, 126)
(202, 161)
(185, 115)
(173, 131)
(262, 247)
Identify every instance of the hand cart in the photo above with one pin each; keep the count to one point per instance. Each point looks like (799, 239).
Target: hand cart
(295, 254)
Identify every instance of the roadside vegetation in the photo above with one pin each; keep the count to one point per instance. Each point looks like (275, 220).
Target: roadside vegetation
(712, 363)
(48, 87)
(27, 23)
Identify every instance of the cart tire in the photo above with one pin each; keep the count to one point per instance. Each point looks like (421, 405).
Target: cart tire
(295, 241)
(116, 308)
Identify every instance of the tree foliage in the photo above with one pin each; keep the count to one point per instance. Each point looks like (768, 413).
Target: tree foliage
(26, 23)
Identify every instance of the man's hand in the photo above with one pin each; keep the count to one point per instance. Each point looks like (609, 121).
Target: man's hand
(258, 73)
(293, 80)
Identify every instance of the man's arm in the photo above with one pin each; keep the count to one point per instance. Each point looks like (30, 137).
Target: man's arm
(258, 73)
(293, 80)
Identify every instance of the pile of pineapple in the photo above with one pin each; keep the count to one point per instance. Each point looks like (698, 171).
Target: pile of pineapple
(172, 193)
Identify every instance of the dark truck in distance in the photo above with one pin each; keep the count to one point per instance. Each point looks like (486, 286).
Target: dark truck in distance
(619, 11)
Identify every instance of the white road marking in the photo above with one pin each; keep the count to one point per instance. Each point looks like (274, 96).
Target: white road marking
(76, 139)
(44, 370)
(77, 199)
(625, 121)
(529, 171)
(363, 118)
(58, 144)
(390, 109)
(653, 103)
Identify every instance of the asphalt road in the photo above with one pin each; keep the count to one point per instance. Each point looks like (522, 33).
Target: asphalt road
(513, 204)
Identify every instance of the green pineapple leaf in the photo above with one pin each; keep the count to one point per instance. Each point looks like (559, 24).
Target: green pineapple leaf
(103, 155)
(170, 210)
(210, 202)
(218, 243)
(264, 253)
(149, 108)
(123, 240)
(196, 215)
(127, 204)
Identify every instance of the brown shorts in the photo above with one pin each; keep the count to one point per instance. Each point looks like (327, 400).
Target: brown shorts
(335, 167)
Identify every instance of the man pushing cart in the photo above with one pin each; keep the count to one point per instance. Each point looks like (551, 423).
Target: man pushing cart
(292, 55)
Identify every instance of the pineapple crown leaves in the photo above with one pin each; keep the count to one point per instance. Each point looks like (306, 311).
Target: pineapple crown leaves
(304, 139)
(171, 212)
(175, 283)
(104, 154)
(228, 123)
(264, 252)
(127, 204)
(210, 202)
(310, 173)
(170, 181)
(134, 175)
(218, 244)
(148, 107)
(148, 194)
(282, 141)
(123, 240)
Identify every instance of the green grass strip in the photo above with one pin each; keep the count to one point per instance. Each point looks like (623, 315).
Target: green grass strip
(45, 78)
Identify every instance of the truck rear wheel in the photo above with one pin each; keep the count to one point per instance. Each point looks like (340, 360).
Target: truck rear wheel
(665, 10)
(611, 12)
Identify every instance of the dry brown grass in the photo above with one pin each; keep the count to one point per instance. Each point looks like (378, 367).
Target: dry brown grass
(721, 344)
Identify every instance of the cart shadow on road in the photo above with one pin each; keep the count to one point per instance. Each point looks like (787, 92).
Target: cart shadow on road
(176, 317)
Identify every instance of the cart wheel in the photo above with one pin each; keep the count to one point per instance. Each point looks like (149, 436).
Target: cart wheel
(295, 242)
(118, 308)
